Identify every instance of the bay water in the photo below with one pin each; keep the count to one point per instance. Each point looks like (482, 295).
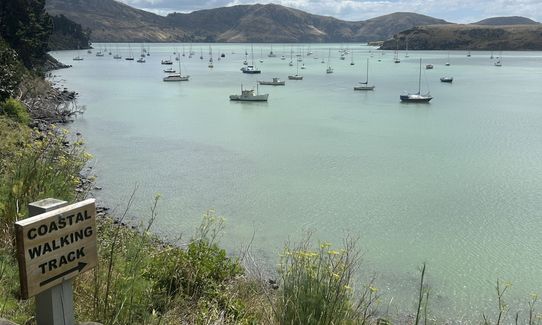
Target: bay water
(456, 183)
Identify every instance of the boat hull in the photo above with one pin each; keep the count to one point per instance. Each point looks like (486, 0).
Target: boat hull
(175, 78)
(415, 99)
(257, 98)
(251, 71)
(272, 83)
(295, 77)
(364, 87)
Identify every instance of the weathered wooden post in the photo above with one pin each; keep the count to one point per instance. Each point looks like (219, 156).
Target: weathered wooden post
(56, 243)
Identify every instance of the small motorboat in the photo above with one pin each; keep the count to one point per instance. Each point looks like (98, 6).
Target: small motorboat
(274, 82)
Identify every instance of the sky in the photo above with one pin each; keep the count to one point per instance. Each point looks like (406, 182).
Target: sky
(457, 11)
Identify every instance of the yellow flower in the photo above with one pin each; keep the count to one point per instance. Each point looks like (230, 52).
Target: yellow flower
(325, 245)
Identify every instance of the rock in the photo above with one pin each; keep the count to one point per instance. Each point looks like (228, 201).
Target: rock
(98, 188)
(6, 322)
(273, 284)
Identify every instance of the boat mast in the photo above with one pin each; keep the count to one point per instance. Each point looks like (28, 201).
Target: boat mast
(420, 78)
(252, 53)
(367, 79)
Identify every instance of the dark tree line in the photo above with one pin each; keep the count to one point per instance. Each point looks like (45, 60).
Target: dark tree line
(26, 27)
(68, 34)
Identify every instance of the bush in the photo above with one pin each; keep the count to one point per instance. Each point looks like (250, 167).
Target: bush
(15, 110)
(44, 165)
(11, 71)
(317, 286)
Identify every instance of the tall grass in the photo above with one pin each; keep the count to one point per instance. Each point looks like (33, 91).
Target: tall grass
(42, 165)
(317, 286)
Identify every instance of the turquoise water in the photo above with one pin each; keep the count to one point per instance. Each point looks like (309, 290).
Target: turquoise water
(456, 183)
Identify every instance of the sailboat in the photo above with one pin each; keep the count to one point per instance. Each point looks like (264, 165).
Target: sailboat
(251, 69)
(78, 57)
(365, 85)
(296, 76)
(396, 55)
(130, 57)
(406, 48)
(291, 57)
(417, 97)
(210, 65)
(352, 58)
(329, 68)
(271, 54)
(176, 76)
(448, 62)
(498, 63)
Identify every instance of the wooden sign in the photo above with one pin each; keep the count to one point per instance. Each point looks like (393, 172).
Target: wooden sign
(55, 246)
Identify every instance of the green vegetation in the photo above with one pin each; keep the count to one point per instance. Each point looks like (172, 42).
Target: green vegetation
(68, 35)
(317, 286)
(15, 110)
(26, 27)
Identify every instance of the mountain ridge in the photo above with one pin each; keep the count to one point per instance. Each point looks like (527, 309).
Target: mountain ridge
(506, 21)
(112, 21)
(468, 37)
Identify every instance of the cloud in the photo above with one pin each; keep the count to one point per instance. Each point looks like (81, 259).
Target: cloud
(452, 10)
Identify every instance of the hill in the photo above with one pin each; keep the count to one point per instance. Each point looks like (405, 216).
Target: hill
(473, 37)
(384, 27)
(502, 21)
(112, 21)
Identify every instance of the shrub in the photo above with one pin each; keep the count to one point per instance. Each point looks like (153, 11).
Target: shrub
(11, 71)
(15, 110)
(43, 167)
(201, 274)
(317, 286)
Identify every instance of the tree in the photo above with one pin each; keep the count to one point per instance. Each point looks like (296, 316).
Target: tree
(26, 27)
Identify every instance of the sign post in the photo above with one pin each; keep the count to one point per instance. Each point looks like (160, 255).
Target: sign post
(56, 243)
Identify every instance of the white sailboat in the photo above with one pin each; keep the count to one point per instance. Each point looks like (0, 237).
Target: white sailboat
(296, 76)
(176, 76)
(210, 65)
(329, 68)
(251, 69)
(396, 54)
(78, 57)
(365, 85)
